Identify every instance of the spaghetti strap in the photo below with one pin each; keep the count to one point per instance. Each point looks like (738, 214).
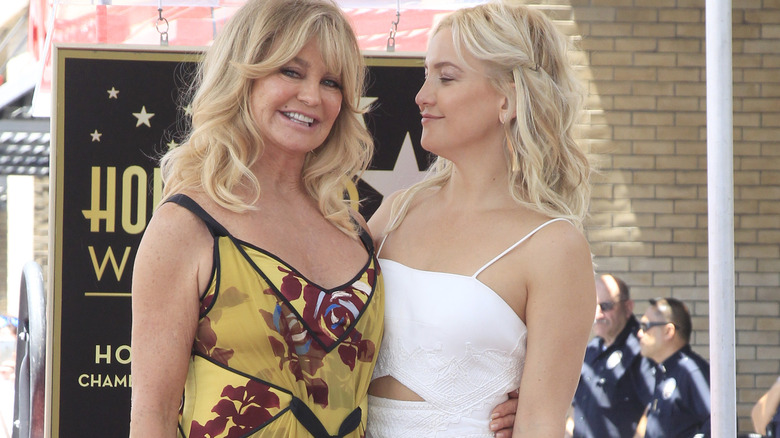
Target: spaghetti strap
(214, 227)
(381, 245)
(498, 257)
(394, 220)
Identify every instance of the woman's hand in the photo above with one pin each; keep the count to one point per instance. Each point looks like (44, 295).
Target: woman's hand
(502, 419)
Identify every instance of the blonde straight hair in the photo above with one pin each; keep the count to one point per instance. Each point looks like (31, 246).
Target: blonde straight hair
(224, 141)
(526, 60)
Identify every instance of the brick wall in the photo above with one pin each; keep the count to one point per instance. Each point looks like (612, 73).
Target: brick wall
(644, 63)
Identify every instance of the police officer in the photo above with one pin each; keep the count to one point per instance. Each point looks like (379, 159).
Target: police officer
(615, 382)
(680, 407)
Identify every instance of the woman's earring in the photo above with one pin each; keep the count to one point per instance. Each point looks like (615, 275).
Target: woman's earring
(512, 155)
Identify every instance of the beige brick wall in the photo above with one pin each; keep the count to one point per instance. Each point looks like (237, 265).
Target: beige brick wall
(644, 63)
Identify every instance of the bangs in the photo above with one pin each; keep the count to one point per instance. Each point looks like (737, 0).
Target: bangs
(336, 43)
(335, 51)
(341, 56)
(332, 53)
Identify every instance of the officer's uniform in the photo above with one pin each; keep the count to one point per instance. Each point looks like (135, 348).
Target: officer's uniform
(616, 384)
(773, 428)
(680, 407)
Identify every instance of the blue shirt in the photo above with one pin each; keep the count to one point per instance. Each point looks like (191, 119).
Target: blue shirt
(615, 386)
(773, 428)
(681, 401)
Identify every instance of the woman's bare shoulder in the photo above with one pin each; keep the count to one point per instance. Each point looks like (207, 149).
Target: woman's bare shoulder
(551, 234)
(179, 242)
(379, 220)
(561, 257)
(174, 227)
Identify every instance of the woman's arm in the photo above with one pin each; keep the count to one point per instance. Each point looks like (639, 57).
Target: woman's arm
(765, 408)
(167, 277)
(561, 297)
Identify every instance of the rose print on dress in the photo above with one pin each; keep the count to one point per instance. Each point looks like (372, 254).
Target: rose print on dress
(356, 349)
(328, 314)
(312, 322)
(297, 344)
(206, 342)
(241, 408)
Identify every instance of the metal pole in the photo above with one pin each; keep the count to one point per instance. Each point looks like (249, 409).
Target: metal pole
(720, 213)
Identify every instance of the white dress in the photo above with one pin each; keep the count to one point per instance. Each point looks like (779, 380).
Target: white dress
(454, 342)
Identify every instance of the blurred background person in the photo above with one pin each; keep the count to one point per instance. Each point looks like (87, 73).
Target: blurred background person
(616, 382)
(680, 406)
(8, 329)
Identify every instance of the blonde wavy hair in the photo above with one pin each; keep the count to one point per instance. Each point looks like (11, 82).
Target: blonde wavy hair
(224, 141)
(525, 57)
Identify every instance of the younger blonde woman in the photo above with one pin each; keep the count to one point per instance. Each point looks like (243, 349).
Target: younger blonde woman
(488, 277)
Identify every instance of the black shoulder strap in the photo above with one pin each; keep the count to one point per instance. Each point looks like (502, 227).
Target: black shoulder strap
(215, 228)
(366, 239)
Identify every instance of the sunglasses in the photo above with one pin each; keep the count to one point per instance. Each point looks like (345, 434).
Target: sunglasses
(606, 306)
(645, 326)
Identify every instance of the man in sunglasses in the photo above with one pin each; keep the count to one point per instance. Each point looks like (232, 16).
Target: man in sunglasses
(680, 407)
(615, 382)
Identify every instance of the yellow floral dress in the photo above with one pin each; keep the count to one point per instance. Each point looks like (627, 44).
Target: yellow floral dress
(275, 355)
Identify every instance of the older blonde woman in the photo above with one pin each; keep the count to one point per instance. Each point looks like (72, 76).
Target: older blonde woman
(257, 300)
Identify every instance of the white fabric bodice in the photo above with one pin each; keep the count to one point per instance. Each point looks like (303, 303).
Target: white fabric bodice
(453, 341)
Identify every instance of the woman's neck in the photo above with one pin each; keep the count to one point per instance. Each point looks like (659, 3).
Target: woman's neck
(478, 185)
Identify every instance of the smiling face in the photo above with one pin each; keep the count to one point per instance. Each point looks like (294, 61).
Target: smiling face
(458, 104)
(295, 107)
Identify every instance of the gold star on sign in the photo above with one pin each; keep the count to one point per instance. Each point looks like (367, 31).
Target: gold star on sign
(143, 117)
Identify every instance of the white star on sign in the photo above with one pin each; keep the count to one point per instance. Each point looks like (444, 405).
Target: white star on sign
(143, 117)
(113, 93)
(172, 144)
(404, 173)
(96, 136)
(365, 103)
